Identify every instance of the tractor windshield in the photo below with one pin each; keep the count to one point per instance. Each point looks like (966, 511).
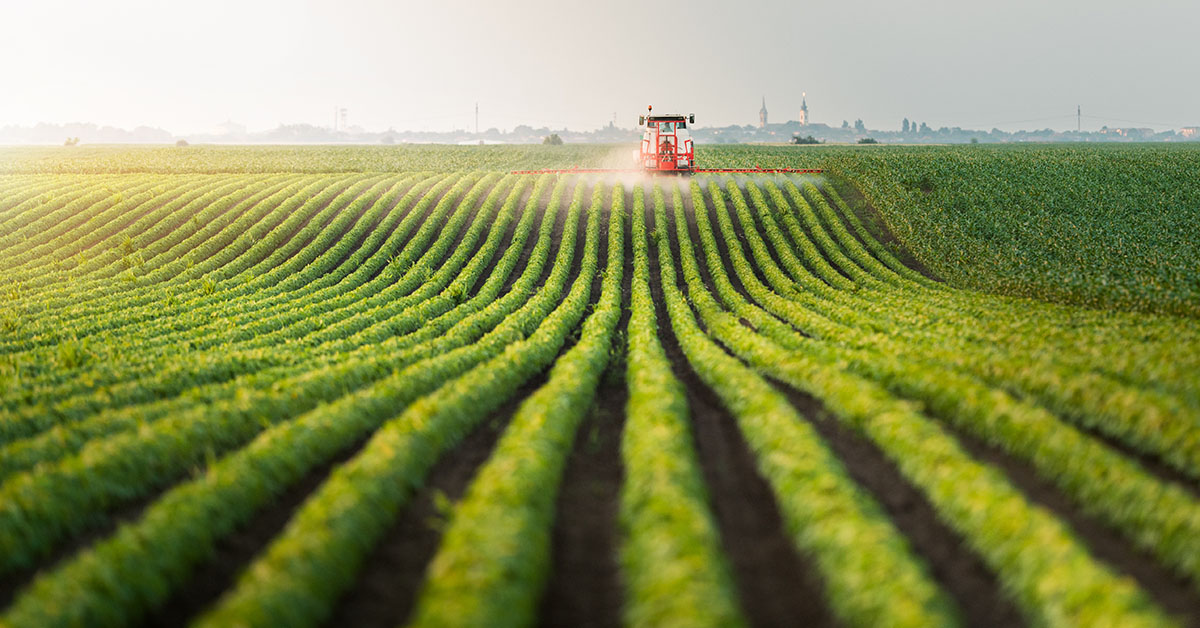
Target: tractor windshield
(666, 127)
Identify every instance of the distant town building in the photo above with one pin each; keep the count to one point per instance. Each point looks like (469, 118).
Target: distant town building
(1190, 131)
(1137, 132)
(803, 109)
(762, 114)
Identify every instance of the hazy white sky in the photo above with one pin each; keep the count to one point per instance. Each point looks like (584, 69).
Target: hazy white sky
(187, 66)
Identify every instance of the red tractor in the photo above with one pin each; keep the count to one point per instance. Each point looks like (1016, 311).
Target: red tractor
(666, 144)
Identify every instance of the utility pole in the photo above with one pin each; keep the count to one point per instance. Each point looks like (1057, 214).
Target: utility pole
(476, 118)
(1078, 118)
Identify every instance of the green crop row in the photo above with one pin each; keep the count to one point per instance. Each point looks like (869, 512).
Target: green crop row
(869, 571)
(177, 533)
(314, 560)
(192, 346)
(1159, 517)
(494, 554)
(671, 556)
(294, 310)
(1113, 408)
(68, 437)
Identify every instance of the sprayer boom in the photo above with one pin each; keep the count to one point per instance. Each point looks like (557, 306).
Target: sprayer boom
(689, 171)
(667, 148)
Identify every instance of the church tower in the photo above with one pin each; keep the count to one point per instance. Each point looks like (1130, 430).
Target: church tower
(762, 114)
(803, 109)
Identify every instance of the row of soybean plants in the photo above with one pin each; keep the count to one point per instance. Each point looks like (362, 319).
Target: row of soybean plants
(1068, 223)
(188, 319)
(1028, 326)
(291, 357)
(1118, 411)
(938, 310)
(207, 320)
(494, 557)
(82, 305)
(1162, 523)
(272, 236)
(1025, 322)
(908, 438)
(27, 200)
(47, 222)
(1135, 419)
(97, 160)
(1106, 377)
(74, 422)
(178, 531)
(1100, 226)
(1092, 399)
(39, 417)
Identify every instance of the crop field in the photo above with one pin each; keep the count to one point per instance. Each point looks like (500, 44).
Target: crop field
(401, 386)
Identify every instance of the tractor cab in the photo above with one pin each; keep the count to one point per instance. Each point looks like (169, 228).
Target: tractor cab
(666, 144)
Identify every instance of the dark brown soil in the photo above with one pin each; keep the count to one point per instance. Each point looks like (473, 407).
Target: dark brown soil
(391, 578)
(777, 585)
(1173, 593)
(959, 570)
(584, 588)
(555, 236)
(1150, 464)
(97, 528)
(235, 551)
(394, 570)
(954, 565)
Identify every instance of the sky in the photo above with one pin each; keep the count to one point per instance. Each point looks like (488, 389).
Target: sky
(188, 66)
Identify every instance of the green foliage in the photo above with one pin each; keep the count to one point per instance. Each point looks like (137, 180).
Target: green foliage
(196, 343)
(494, 558)
(72, 352)
(675, 572)
(310, 159)
(1102, 226)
